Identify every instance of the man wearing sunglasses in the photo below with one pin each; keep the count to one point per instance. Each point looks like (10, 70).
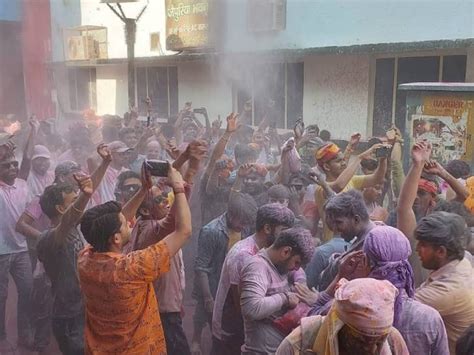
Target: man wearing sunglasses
(14, 257)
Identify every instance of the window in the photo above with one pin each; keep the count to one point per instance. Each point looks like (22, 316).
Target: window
(266, 15)
(275, 89)
(160, 84)
(82, 88)
(389, 103)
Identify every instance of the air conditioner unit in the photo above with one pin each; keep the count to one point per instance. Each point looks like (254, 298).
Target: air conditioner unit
(266, 15)
(82, 48)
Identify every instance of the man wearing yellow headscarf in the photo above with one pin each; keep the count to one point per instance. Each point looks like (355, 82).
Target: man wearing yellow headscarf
(340, 177)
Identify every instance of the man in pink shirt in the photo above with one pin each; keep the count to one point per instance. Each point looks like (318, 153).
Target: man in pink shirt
(227, 322)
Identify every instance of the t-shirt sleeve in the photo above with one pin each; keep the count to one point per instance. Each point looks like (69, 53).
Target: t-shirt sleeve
(357, 182)
(254, 303)
(34, 209)
(207, 244)
(236, 265)
(147, 264)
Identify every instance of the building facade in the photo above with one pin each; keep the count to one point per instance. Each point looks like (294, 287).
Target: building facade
(334, 63)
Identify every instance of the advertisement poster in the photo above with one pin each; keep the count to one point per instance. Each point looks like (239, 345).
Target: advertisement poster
(447, 135)
(187, 24)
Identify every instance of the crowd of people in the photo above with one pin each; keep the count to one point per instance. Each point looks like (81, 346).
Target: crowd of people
(303, 246)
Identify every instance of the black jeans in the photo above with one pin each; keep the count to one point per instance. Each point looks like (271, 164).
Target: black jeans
(69, 333)
(176, 342)
(19, 266)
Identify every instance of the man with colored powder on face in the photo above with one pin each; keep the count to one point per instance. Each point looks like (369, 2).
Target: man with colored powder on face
(266, 291)
(227, 323)
(340, 176)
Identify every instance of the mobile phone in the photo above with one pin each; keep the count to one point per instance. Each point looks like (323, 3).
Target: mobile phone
(157, 167)
(382, 152)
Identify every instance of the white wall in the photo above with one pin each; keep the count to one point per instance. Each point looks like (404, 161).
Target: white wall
(112, 91)
(199, 83)
(321, 23)
(336, 92)
(153, 20)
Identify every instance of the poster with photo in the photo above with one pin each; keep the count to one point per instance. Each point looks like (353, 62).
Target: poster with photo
(446, 134)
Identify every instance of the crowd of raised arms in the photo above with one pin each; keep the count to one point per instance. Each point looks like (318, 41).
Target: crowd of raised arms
(300, 245)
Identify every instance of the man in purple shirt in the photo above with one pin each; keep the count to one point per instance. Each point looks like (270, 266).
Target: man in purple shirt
(266, 291)
(227, 323)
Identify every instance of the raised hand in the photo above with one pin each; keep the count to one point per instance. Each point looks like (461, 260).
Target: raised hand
(368, 153)
(146, 178)
(148, 133)
(85, 183)
(290, 144)
(172, 149)
(104, 152)
(197, 149)
(421, 152)
(433, 167)
(355, 139)
(174, 177)
(298, 129)
(232, 123)
(245, 169)
(317, 176)
(34, 123)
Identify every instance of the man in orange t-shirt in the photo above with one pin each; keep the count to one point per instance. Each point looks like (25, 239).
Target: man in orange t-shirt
(121, 309)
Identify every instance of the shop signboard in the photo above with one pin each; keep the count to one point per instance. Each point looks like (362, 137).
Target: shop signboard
(187, 24)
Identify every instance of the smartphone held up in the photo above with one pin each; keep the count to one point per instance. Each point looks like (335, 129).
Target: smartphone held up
(158, 168)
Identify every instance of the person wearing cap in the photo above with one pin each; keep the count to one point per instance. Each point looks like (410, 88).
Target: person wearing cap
(340, 176)
(120, 154)
(359, 323)
(40, 175)
(34, 221)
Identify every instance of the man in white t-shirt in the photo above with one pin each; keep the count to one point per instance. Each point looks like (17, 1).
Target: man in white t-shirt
(106, 189)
